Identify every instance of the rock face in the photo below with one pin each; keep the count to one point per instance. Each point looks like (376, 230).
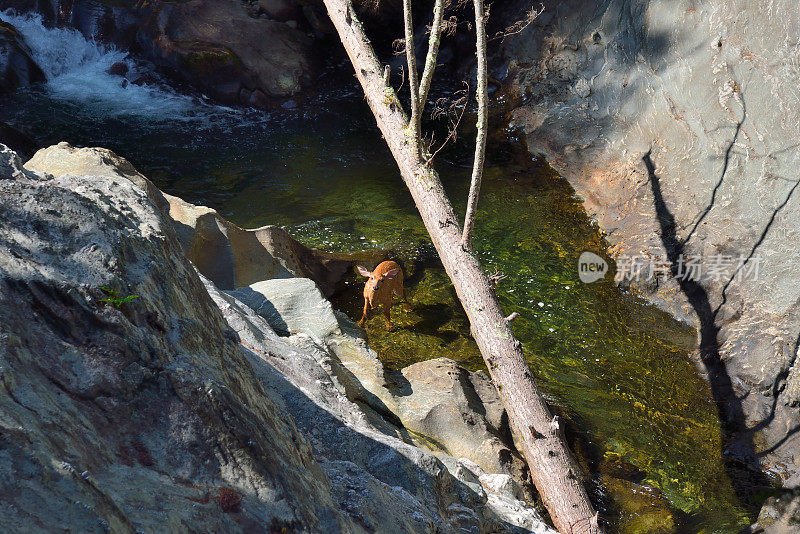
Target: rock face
(155, 395)
(291, 306)
(162, 402)
(676, 122)
(17, 68)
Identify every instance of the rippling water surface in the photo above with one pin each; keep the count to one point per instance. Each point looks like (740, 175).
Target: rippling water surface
(617, 368)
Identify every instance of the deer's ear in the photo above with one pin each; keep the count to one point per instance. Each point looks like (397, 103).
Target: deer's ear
(392, 273)
(363, 271)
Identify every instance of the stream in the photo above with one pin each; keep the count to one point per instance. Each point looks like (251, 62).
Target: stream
(617, 368)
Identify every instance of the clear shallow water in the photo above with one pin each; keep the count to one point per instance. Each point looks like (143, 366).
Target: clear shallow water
(617, 368)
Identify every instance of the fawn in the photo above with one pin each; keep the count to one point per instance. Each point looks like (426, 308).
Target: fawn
(384, 282)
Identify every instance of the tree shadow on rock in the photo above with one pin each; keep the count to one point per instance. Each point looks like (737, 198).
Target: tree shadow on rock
(741, 460)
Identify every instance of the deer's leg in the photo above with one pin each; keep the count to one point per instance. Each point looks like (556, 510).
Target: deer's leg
(402, 295)
(364, 315)
(387, 313)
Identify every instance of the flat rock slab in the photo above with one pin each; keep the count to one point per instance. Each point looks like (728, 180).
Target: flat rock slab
(291, 306)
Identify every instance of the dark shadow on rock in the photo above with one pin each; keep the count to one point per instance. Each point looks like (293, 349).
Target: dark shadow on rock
(739, 454)
(266, 309)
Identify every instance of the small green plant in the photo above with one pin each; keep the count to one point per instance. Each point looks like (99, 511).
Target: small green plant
(114, 297)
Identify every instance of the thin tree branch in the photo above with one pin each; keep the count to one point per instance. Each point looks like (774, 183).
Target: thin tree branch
(433, 52)
(413, 81)
(483, 120)
(519, 25)
(439, 110)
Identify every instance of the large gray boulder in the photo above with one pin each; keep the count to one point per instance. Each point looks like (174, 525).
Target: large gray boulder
(706, 91)
(138, 416)
(136, 396)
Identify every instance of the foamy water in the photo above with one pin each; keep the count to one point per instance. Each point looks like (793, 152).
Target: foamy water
(77, 71)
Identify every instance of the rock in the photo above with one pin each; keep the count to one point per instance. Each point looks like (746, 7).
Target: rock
(441, 401)
(501, 484)
(317, 17)
(779, 515)
(230, 256)
(146, 78)
(120, 68)
(129, 417)
(64, 159)
(17, 67)
(217, 47)
(358, 444)
(154, 412)
(291, 306)
(640, 508)
(604, 84)
(436, 403)
(280, 10)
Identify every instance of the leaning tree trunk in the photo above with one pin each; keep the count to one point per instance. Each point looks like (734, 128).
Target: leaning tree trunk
(555, 473)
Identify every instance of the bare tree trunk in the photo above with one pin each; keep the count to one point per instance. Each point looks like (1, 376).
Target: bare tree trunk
(481, 96)
(555, 473)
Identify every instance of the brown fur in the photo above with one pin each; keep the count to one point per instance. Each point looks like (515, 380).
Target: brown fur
(382, 284)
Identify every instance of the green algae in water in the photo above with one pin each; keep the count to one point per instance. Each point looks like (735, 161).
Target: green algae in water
(617, 368)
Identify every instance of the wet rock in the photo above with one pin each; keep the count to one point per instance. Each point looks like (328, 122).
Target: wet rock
(217, 47)
(17, 67)
(120, 68)
(146, 78)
